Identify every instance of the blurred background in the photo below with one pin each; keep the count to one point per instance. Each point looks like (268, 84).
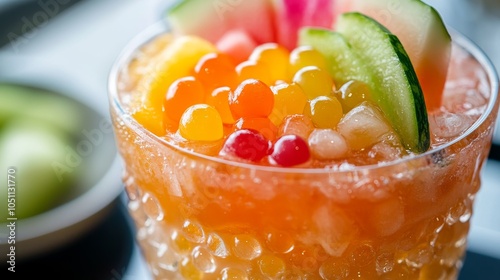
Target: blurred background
(66, 48)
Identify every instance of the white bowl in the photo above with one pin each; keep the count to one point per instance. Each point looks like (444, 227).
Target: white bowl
(99, 185)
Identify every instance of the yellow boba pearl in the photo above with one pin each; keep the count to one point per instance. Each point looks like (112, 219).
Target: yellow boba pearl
(201, 122)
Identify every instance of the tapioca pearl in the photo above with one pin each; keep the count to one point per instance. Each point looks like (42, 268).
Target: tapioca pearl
(219, 99)
(303, 56)
(364, 126)
(263, 125)
(246, 247)
(201, 122)
(290, 150)
(314, 82)
(246, 144)
(275, 56)
(271, 266)
(251, 99)
(193, 232)
(279, 242)
(324, 111)
(327, 144)
(216, 245)
(180, 243)
(189, 271)
(335, 269)
(298, 124)
(182, 94)
(215, 70)
(289, 99)
(230, 273)
(152, 207)
(203, 260)
(353, 93)
(254, 70)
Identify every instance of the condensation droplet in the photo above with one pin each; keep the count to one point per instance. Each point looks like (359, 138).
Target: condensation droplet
(217, 246)
(246, 247)
(384, 263)
(167, 259)
(271, 266)
(334, 270)
(203, 260)
(233, 274)
(180, 243)
(363, 255)
(419, 255)
(193, 232)
(189, 271)
(280, 242)
(152, 207)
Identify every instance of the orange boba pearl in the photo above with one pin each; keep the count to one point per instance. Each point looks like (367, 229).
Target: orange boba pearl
(182, 94)
(215, 70)
(252, 98)
(274, 55)
(219, 99)
(254, 70)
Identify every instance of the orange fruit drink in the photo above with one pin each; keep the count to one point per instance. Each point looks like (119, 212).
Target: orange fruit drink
(250, 170)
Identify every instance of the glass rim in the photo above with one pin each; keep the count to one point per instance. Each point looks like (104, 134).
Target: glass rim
(161, 27)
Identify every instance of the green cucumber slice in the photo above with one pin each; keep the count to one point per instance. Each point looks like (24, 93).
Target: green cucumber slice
(343, 63)
(395, 85)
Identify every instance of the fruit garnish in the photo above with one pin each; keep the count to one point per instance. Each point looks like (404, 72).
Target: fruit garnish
(211, 19)
(395, 85)
(291, 15)
(343, 63)
(182, 54)
(423, 34)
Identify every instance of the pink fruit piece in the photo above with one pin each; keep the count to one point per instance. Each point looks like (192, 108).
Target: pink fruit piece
(246, 144)
(236, 43)
(291, 15)
(211, 19)
(290, 150)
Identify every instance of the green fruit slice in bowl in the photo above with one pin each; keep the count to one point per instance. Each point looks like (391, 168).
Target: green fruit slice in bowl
(422, 32)
(395, 85)
(343, 62)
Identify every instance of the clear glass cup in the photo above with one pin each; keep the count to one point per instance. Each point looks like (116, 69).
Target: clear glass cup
(200, 217)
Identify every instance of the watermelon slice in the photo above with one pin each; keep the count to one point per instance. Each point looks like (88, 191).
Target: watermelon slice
(291, 15)
(421, 31)
(238, 44)
(211, 19)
